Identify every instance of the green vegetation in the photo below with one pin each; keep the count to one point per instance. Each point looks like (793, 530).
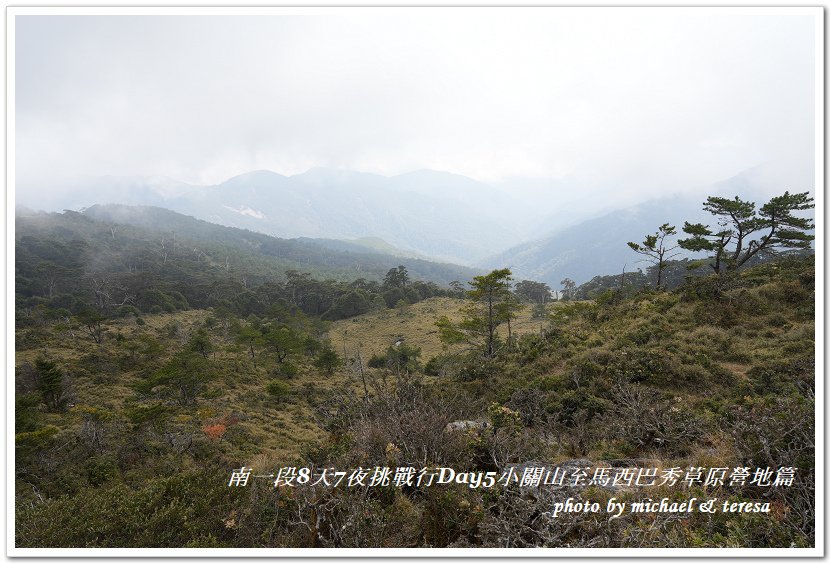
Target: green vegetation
(745, 233)
(50, 384)
(77, 267)
(144, 378)
(657, 249)
(491, 303)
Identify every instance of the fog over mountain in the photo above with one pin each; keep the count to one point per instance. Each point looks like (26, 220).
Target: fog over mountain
(435, 215)
(622, 103)
(254, 244)
(445, 216)
(597, 246)
(453, 134)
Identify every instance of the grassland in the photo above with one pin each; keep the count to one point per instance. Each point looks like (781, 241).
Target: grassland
(277, 431)
(104, 377)
(374, 332)
(719, 373)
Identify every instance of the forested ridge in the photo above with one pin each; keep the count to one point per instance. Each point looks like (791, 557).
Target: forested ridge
(155, 354)
(155, 260)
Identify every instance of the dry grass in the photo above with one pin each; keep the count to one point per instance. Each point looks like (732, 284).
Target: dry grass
(373, 333)
(278, 430)
(740, 370)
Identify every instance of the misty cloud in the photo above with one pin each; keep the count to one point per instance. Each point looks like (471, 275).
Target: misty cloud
(630, 101)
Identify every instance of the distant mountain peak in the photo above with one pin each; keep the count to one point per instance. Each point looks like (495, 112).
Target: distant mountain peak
(262, 174)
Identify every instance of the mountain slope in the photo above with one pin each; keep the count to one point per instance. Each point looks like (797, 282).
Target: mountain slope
(598, 246)
(372, 245)
(155, 231)
(595, 246)
(347, 205)
(446, 216)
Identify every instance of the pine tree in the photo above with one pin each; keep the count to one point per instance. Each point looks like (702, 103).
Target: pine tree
(490, 306)
(745, 233)
(50, 384)
(656, 249)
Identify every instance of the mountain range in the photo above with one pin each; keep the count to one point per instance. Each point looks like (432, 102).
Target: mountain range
(542, 229)
(445, 216)
(597, 246)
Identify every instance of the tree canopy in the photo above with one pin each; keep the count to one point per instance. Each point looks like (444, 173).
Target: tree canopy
(490, 306)
(743, 232)
(656, 249)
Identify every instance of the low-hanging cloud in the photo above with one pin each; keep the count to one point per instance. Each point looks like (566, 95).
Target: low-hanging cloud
(627, 100)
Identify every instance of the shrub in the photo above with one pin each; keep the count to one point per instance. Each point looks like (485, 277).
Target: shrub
(166, 512)
(183, 378)
(51, 384)
(287, 370)
(36, 440)
(26, 414)
(278, 390)
(636, 365)
(214, 431)
(377, 362)
(327, 359)
(100, 469)
(401, 358)
(648, 419)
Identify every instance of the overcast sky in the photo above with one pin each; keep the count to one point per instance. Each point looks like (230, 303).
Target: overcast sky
(636, 100)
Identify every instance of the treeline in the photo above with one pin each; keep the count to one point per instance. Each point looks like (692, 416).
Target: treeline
(674, 274)
(743, 236)
(66, 264)
(720, 369)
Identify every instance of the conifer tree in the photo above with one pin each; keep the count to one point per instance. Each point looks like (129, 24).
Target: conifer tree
(743, 232)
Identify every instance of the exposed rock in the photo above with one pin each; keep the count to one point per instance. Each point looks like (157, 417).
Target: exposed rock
(467, 425)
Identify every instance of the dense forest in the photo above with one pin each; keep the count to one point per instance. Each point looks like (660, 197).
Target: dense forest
(156, 354)
(120, 260)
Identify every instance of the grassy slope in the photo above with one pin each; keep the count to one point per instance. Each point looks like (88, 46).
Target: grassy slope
(278, 430)
(744, 358)
(374, 332)
(287, 428)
